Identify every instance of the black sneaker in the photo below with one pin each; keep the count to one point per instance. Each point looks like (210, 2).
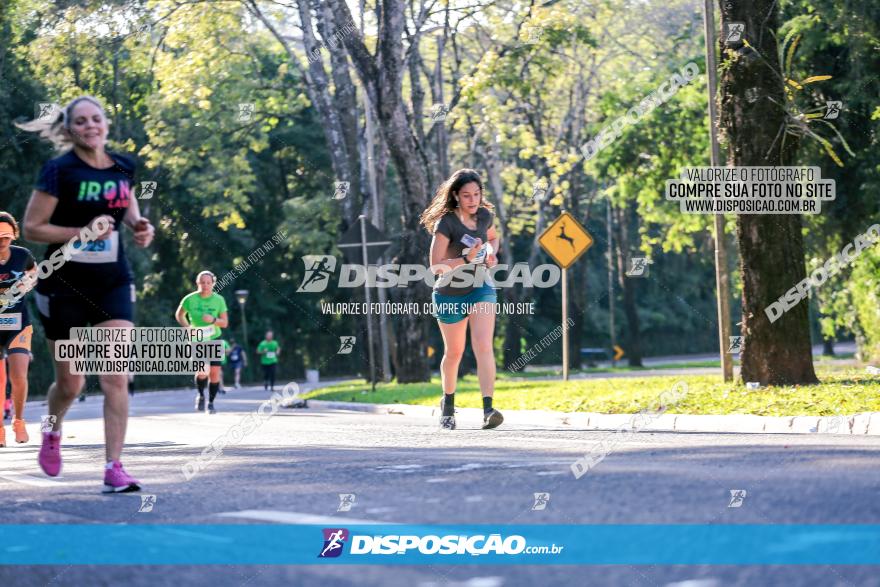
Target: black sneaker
(211, 409)
(200, 403)
(492, 419)
(446, 422)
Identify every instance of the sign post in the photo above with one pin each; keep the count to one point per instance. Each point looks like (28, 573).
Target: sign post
(565, 240)
(367, 242)
(565, 324)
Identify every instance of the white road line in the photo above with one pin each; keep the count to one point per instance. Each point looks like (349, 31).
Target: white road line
(298, 518)
(465, 467)
(378, 510)
(28, 480)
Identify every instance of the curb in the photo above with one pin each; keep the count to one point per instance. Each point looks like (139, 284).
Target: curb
(862, 424)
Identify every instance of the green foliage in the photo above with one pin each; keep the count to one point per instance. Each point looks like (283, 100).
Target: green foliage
(865, 291)
(536, 83)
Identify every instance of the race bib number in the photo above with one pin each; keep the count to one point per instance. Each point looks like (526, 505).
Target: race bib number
(270, 354)
(485, 250)
(10, 321)
(101, 251)
(207, 332)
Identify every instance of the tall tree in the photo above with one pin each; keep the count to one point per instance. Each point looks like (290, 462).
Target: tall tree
(382, 74)
(771, 246)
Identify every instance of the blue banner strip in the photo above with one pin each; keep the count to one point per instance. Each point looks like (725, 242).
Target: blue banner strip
(277, 544)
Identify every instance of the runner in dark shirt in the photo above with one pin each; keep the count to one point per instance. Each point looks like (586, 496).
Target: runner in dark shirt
(84, 192)
(17, 276)
(237, 360)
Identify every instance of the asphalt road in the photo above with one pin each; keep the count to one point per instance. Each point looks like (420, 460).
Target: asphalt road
(403, 469)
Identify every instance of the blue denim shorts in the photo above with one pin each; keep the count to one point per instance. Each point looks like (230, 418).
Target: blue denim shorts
(452, 309)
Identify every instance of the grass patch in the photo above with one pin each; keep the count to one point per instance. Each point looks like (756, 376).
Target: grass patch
(845, 390)
(558, 372)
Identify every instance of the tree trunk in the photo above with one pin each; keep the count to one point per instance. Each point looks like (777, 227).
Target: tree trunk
(512, 346)
(346, 107)
(628, 286)
(771, 246)
(340, 131)
(382, 78)
(828, 347)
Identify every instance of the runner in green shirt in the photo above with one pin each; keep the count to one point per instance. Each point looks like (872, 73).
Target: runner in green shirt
(269, 350)
(205, 310)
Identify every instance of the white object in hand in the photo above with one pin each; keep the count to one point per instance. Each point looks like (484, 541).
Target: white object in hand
(485, 250)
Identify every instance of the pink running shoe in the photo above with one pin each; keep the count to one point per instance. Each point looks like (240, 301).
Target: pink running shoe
(50, 453)
(116, 480)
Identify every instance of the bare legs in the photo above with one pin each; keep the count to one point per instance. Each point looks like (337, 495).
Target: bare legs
(482, 326)
(18, 372)
(68, 386)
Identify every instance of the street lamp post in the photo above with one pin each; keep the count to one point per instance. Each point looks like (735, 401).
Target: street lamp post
(241, 297)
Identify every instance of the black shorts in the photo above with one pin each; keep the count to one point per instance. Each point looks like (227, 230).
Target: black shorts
(59, 312)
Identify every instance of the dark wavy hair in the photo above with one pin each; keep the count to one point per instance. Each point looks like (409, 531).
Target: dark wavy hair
(444, 202)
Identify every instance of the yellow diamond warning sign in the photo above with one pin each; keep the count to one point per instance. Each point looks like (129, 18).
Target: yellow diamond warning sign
(565, 240)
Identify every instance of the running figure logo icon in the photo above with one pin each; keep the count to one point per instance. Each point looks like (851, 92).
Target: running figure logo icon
(835, 422)
(736, 498)
(148, 188)
(735, 345)
(735, 31)
(439, 112)
(147, 503)
(47, 423)
(346, 345)
(533, 34)
(346, 501)
(539, 190)
(45, 110)
(832, 109)
(246, 111)
(318, 270)
(340, 189)
(638, 266)
(541, 501)
(334, 540)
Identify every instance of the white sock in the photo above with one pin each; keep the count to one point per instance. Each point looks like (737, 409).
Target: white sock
(109, 465)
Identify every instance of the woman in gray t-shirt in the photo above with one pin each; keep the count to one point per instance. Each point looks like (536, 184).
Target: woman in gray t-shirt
(464, 247)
